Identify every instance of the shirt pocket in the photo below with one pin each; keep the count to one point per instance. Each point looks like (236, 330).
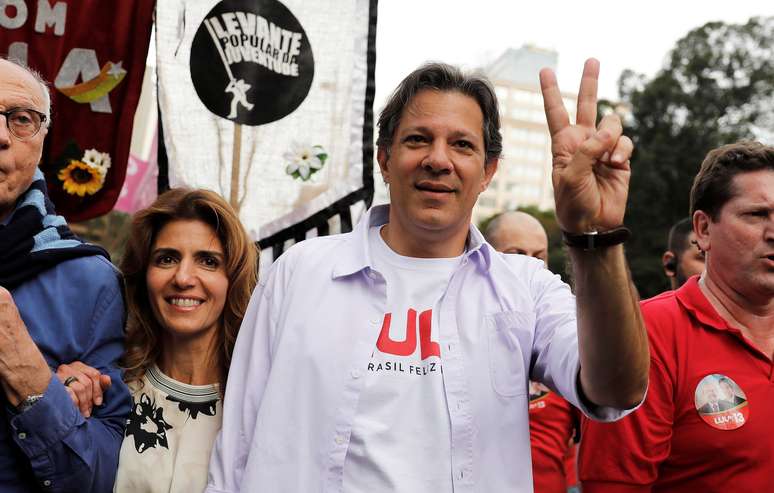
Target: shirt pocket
(508, 333)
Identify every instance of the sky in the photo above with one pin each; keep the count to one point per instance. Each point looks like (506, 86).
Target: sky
(636, 35)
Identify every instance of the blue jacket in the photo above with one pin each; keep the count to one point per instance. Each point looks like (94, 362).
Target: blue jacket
(73, 311)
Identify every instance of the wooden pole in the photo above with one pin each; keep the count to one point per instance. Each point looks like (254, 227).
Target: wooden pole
(235, 165)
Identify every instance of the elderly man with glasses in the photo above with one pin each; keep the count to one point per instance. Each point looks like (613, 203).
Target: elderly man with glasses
(60, 301)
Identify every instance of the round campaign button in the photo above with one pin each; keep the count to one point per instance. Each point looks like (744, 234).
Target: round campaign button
(251, 61)
(721, 403)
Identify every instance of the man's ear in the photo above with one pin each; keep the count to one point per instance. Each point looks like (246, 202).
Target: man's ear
(669, 261)
(382, 157)
(490, 167)
(702, 224)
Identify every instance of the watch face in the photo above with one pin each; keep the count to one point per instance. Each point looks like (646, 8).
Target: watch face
(29, 401)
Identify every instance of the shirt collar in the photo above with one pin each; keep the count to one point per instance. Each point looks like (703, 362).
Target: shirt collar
(356, 254)
(696, 303)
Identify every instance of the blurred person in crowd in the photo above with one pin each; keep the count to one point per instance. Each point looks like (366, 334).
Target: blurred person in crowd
(683, 257)
(189, 269)
(554, 425)
(715, 328)
(518, 232)
(396, 357)
(60, 301)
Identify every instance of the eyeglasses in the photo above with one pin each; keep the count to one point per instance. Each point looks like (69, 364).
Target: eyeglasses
(23, 123)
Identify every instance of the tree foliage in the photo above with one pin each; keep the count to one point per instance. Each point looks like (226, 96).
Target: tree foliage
(716, 87)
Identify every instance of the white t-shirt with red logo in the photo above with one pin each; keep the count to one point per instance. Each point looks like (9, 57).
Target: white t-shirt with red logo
(401, 436)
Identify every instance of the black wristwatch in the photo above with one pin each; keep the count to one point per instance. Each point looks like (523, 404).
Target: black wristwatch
(594, 240)
(28, 402)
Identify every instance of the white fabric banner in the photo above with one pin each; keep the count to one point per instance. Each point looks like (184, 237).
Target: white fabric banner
(270, 104)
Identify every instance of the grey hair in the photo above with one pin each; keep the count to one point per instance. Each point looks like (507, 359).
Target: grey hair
(44, 86)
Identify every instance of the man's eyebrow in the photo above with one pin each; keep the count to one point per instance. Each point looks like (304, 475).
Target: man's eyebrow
(416, 128)
(426, 130)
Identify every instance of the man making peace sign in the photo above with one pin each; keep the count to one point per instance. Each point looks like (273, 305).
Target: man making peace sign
(396, 357)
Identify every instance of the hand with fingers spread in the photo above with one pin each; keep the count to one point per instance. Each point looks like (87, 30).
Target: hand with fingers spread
(590, 163)
(84, 384)
(591, 183)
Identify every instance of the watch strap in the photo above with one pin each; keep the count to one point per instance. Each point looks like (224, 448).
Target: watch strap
(28, 402)
(594, 240)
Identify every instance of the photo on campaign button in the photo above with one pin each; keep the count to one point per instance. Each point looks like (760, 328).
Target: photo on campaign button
(721, 403)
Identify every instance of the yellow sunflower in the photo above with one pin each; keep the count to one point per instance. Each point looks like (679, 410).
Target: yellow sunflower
(80, 179)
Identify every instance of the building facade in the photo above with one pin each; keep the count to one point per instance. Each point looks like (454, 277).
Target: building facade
(524, 174)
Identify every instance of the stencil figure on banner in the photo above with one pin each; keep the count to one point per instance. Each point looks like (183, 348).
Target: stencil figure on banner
(249, 74)
(60, 300)
(189, 268)
(412, 333)
(554, 424)
(683, 257)
(709, 409)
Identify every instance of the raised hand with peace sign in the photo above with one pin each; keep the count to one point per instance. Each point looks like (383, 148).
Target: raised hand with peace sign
(591, 183)
(590, 163)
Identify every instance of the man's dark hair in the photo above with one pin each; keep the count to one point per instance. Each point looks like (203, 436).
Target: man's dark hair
(713, 185)
(445, 78)
(677, 242)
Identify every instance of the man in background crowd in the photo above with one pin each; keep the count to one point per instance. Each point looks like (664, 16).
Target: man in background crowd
(518, 232)
(683, 257)
(554, 425)
(713, 335)
(60, 301)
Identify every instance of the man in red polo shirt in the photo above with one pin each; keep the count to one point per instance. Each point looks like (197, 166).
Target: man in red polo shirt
(707, 422)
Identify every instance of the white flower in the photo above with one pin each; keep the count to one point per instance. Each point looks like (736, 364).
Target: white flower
(98, 160)
(302, 159)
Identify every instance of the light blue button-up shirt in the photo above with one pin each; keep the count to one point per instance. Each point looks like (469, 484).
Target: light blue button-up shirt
(309, 332)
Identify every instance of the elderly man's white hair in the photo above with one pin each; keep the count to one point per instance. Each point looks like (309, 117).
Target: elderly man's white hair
(43, 85)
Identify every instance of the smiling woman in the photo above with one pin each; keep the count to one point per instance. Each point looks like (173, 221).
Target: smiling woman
(187, 285)
(189, 269)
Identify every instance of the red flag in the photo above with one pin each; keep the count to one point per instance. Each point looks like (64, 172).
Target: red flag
(93, 52)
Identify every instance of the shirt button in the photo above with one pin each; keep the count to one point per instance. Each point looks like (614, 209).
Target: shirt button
(47, 482)
(355, 374)
(22, 436)
(339, 439)
(375, 321)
